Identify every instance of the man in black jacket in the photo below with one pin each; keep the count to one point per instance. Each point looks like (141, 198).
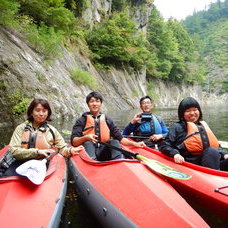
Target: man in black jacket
(93, 127)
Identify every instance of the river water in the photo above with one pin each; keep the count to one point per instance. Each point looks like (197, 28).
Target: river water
(75, 213)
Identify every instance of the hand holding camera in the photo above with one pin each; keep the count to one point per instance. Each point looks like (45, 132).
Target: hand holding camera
(136, 118)
(142, 116)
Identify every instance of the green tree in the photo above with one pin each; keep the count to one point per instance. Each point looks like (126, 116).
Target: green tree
(187, 55)
(51, 12)
(175, 53)
(185, 44)
(77, 6)
(211, 41)
(115, 42)
(162, 43)
(8, 12)
(119, 5)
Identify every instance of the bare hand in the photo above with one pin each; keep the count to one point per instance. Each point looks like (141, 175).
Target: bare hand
(140, 144)
(74, 150)
(225, 156)
(45, 152)
(136, 118)
(178, 158)
(92, 138)
(155, 138)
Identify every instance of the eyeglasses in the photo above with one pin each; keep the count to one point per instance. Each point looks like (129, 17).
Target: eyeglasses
(146, 103)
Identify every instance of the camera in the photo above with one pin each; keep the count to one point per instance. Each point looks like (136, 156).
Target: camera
(146, 116)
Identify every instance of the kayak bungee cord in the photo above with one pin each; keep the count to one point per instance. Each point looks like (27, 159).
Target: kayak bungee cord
(91, 161)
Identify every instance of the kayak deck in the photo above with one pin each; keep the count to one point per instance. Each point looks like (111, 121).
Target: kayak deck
(207, 187)
(123, 193)
(24, 204)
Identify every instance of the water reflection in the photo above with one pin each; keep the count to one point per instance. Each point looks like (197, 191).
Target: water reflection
(216, 117)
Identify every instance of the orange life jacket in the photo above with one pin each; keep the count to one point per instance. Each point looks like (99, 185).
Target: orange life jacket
(35, 138)
(102, 130)
(197, 138)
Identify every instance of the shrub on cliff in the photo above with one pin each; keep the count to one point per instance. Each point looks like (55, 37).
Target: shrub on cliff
(115, 41)
(83, 77)
(8, 11)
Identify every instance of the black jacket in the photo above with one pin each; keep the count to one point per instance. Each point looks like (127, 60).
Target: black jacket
(175, 137)
(80, 123)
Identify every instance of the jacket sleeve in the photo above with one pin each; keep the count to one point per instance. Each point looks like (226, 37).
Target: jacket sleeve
(168, 146)
(164, 128)
(114, 130)
(60, 143)
(15, 145)
(21, 153)
(78, 128)
(129, 129)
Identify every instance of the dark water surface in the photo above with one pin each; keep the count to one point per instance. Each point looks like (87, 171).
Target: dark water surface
(75, 212)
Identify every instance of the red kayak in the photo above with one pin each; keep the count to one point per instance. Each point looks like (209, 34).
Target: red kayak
(125, 193)
(24, 204)
(206, 187)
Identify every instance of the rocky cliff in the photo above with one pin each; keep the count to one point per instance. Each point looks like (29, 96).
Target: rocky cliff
(24, 72)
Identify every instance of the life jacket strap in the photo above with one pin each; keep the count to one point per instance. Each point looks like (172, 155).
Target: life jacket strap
(203, 134)
(52, 132)
(32, 140)
(33, 134)
(88, 128)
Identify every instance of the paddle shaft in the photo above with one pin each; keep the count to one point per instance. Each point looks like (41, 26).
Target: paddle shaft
(154, 165)
(51, 155)
(125, 152)
(136, 137)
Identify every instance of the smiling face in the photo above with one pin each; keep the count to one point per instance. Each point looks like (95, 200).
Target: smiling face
(94, 105)
(146, 105)
(191, 115)
(39, 115)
